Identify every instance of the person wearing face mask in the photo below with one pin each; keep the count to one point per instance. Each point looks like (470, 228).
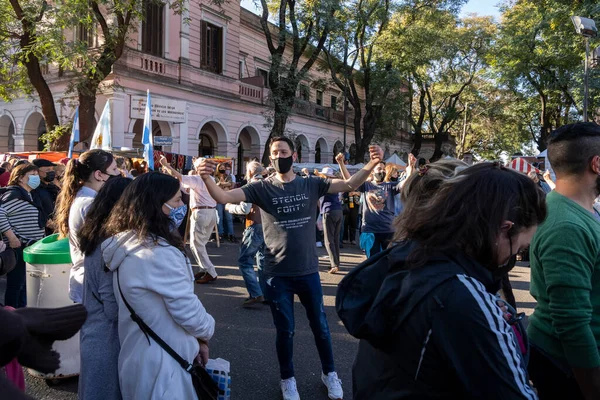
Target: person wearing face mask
(378, 211)
(425, 310)
(288, 206)
(203, 219)
(153, 278)
(564, 329)
(83, 178)
(224, 181)
(47, 192)
(253, 242)
(22, 223)
(99, 340)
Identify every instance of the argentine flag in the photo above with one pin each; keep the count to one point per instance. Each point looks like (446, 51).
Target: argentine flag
(74, 133)
(147, 139)
(102, 138)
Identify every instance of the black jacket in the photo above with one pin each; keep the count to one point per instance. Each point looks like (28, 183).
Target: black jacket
(433, 332)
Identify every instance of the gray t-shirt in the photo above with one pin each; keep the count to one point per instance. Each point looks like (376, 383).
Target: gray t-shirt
(288, 213)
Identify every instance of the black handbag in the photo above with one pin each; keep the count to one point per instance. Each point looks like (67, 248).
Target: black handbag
(206, 388)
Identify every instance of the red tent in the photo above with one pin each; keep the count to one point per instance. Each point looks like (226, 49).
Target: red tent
(519, 164)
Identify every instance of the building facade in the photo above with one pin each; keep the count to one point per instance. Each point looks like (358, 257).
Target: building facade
(207, 72)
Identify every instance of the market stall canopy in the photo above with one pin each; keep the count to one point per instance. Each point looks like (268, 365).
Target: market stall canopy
(520, 165)
(394, 159)
(53, 156)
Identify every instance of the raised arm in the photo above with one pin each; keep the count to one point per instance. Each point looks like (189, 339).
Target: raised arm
(205, 170)
(353, 182)
(340, 160)
(172, 171)
(411, 168)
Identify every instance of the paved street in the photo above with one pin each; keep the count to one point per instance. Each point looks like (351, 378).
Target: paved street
(246, 337)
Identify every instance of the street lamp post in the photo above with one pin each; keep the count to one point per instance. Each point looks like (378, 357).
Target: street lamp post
(586, 27)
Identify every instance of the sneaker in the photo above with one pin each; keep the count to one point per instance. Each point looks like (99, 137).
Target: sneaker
(325, 257)
(334, 386)
(319, 244)
(289, 389)
(206, 278)
(253, 300)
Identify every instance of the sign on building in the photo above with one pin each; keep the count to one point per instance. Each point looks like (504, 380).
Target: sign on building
(162, 109)
(162, 140)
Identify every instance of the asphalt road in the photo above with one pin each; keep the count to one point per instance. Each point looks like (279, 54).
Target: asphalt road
(246, 336)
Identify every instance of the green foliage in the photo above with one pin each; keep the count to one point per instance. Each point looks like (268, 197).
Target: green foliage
(539, 56)
(51, 138)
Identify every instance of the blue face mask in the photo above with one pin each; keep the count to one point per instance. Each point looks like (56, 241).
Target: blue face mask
(176, 215)
(33, 181)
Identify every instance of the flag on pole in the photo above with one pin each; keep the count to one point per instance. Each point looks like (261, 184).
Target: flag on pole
(74, 133)
(102, 138)
(147, 139)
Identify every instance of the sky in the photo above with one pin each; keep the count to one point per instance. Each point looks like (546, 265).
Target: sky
(481, 7)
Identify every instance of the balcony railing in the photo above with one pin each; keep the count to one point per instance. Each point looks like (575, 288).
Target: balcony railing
(324, 113)
(148, 63)
(251, 93)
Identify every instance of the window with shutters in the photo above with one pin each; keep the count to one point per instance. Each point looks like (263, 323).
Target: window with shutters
(84, 34)
(319, 97)
(211, 55)
(152, 28)
(265, 75)
(334, 102)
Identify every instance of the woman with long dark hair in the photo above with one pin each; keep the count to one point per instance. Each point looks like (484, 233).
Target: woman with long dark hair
(425, 310)
(21, 223)
(154, 277)
(99, 338)
(83, 178)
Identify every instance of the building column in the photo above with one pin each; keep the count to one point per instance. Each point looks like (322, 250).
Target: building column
(19, 139)
(128, 139)
(184, 33)
(193, 147)
(119, 115)
(183, 137)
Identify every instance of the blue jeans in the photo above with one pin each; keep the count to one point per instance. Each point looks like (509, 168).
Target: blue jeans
(16, 293)
(224, 215)
(252, 248)
(280, 292)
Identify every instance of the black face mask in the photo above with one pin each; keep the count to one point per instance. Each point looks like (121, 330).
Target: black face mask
(379, 176)
(283, 164)
(111, 177)
(50, 176)
(510, 264)
(394, 179)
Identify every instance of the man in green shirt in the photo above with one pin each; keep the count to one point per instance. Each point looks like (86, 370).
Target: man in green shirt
(564, 329)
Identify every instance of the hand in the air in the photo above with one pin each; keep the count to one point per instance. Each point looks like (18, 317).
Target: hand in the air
(375, 153)
(206, 168)
(163, 160)
(339, 158)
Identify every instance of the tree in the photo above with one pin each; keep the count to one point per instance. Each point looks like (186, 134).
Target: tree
(538, 55)
(441, 56)
(301, 31)
(369, 83)
(26, 37)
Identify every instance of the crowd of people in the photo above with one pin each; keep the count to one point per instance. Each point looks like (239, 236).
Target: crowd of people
(432, 305)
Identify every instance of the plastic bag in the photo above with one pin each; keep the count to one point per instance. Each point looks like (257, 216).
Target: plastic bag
(219, 370)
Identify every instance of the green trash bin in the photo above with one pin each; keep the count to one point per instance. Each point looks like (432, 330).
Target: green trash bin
(48, 269)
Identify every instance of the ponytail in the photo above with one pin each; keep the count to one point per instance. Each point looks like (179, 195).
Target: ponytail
(78, 172)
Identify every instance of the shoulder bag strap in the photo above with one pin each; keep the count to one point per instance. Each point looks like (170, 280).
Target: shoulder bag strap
(149, 332)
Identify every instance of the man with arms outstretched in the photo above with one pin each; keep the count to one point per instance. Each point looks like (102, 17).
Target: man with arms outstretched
(289, 207)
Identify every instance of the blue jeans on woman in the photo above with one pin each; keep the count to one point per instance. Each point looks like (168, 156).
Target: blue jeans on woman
(16, 292)
(252, 248)
(225, 215)
(280, 292)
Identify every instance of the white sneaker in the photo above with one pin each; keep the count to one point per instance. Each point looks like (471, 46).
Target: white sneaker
(289, 389)
(334, 385)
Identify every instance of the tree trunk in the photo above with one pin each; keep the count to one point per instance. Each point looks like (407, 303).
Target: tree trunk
(437, 152)
(359, 154)
(546, 125)
(32, 64)
(279, 122)
(418, 141)
(87, 117)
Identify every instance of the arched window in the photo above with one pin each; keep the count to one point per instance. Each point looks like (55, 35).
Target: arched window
(206, 147)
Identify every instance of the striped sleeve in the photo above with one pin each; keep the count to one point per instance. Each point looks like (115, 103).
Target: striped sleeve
(4, 224)
(23, 219)
(480, 345)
